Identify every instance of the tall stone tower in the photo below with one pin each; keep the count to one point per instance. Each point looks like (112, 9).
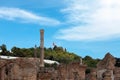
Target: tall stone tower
(41, 48)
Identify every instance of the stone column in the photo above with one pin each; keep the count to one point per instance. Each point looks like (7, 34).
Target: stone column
(41, 48)
(35, 52)
(81, 61)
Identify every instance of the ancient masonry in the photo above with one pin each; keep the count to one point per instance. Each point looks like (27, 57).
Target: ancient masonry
(18, 69)
(108, 68)
(25, 69)
(34, 69)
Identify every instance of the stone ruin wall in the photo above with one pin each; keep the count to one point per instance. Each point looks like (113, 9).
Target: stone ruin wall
(25, 69)
(117, 73)
(106, 69)
(73, 71)
(18, 69)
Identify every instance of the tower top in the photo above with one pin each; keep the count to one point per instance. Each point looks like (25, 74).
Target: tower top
(41, 30)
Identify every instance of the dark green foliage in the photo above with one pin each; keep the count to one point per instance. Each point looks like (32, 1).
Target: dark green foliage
(51, 65)
(90, 62)
(61, 55)
(22, 52)
(56, 53)
(4, 50)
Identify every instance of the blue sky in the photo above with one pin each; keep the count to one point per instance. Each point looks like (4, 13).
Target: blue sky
(85, 27)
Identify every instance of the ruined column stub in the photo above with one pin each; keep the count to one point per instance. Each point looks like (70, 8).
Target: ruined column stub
(81, 61)
(35, 51)
(41, 48)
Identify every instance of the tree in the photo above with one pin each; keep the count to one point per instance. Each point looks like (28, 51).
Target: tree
(4, 50)
(90, 61)
(17, 52)
(87, 58)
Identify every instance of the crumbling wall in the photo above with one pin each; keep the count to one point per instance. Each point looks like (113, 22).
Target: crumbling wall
(107, 64)
(73, 71)
(117, 73)
(28, 69)
(18, 69)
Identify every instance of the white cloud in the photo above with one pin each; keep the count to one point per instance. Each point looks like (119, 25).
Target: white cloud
(102, 18)
(25, 16)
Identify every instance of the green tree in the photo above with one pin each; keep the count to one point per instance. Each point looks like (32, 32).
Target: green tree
(17, 52)
(4, 50)
(90, 62)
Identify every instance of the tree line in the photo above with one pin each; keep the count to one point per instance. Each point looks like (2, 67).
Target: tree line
(56, 53)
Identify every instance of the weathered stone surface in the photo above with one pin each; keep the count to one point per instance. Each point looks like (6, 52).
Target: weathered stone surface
(107, 75)
(73, 71)
(18, 69)
(108, 62)
(26, 69)
(93, 74)
(117, 73)
(107, 69)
